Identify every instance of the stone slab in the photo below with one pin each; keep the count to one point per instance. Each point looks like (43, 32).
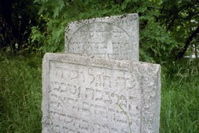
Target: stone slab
(115, 37)
(93, 95)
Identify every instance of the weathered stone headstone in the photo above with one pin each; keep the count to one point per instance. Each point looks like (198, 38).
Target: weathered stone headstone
(99, 85)
(92, 95)
(115, 37)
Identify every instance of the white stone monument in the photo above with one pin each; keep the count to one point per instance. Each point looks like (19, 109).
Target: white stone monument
(99, 90)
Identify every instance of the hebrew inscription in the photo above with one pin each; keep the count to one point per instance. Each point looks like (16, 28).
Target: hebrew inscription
(111, 37)
(85, 95)
(82, 94)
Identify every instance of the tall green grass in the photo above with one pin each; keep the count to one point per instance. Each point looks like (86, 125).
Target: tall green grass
(180, 98)
(20, 96)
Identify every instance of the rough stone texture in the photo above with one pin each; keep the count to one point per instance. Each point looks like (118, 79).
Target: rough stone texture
(115, 37)
(93, 95)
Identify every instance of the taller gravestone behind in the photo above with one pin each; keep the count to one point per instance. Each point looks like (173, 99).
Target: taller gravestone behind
(115, 37)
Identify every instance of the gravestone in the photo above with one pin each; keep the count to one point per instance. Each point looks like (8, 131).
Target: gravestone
(98, 85)
(115, 37)
(92, 95)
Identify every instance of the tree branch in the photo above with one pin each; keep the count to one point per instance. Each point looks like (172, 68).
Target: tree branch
(187, 43)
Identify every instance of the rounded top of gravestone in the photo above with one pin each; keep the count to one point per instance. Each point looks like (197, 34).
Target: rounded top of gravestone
(115, 37)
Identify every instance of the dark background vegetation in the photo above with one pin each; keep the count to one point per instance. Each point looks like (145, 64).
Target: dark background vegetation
(169, 32)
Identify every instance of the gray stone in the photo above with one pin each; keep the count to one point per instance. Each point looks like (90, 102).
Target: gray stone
(93, 95)
(115, 37)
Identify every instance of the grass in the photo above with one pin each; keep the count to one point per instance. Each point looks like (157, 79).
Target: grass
(180, 96)
(180, 108)
(20, 96)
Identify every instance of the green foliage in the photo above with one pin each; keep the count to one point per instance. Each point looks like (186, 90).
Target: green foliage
(57, 14)
(165, 26)
(20, 94)
(180, 19)
(156, 43)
